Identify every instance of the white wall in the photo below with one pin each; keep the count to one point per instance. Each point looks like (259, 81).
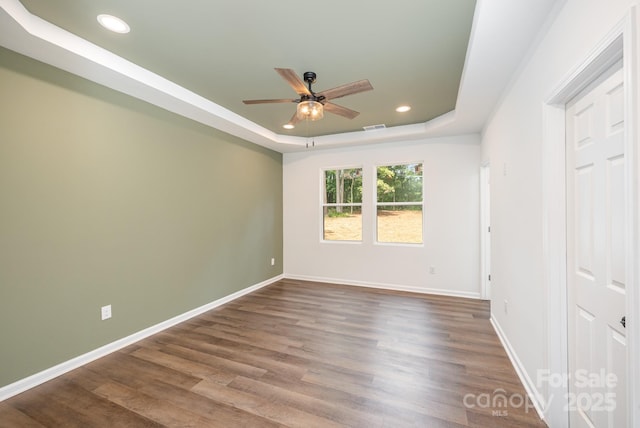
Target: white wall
(451, 176)
(513, 137)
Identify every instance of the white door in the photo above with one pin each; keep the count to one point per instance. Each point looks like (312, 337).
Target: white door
(596, 254)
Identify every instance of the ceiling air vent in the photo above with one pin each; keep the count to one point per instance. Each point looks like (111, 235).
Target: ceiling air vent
(373, 127)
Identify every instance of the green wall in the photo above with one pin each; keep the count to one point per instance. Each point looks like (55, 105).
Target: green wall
(105, 199)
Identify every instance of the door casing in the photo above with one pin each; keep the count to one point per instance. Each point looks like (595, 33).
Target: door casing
(485, 234)
(620, 44)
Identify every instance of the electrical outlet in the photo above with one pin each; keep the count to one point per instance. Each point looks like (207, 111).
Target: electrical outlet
(506, 306)
(432, 270)
(105, 312)
(273, 261)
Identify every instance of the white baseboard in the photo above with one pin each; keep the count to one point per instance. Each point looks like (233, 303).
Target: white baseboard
(384, 286)
(62, 368)
(527, 382)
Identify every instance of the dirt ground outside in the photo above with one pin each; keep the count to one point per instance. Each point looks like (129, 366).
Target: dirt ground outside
(393, 226)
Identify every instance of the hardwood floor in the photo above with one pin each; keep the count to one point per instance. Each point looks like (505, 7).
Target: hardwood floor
(297, 354)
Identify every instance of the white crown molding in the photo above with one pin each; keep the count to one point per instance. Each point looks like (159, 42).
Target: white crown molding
(481, 86)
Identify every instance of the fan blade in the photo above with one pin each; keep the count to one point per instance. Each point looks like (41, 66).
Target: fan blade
(294, 119)
(347, 89)
(293, 80)
(341, 111)
(269, 101)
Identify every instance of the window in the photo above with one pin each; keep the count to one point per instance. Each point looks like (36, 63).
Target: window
(399, 203)
(342, 205)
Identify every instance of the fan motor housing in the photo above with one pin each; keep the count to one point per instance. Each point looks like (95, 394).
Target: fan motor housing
(309, 76)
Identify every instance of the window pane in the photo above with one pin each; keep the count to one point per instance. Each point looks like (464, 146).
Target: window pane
(400, 183)
(400, 224)
(342, 223)
(343, 186)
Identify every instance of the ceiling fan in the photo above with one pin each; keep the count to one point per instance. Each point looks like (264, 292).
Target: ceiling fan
(311, 104)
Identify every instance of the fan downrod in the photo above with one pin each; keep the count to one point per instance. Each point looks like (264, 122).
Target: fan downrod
(309, 77)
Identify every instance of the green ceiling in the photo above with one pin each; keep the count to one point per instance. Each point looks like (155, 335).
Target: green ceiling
(412, 51)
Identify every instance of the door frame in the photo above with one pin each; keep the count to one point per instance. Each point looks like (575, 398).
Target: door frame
(620, 43)
(485, 234)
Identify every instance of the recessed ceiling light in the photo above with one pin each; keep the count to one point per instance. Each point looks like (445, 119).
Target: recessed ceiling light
(403, 109)
(288, 126)
(113, 23)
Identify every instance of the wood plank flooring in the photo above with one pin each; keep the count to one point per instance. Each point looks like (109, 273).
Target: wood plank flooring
(297, 354)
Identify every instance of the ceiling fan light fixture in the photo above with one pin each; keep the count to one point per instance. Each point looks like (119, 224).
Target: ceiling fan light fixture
(310, 110)
(310, 105)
